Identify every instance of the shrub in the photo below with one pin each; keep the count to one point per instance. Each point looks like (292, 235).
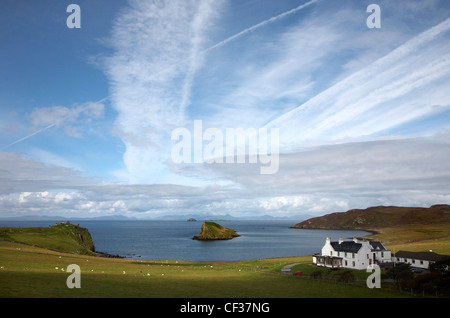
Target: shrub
(346, 277)
(316, 274)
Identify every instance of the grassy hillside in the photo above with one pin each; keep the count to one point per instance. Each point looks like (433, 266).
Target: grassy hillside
(63, 237)
(379, 217)
(214, 231)
(399, 228)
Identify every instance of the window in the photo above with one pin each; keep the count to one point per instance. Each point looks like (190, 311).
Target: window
(382, 254)
(353, 264)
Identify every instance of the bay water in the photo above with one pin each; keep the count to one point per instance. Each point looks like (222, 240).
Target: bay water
(172, 240)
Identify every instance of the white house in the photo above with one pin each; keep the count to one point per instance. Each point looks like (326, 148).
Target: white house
(416, 259)
(355, 254)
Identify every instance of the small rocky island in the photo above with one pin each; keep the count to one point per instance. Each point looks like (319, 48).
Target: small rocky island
(213, 231)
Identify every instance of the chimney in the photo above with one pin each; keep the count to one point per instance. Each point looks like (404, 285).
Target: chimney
(328, 240)
(355, 239)
(341, 240)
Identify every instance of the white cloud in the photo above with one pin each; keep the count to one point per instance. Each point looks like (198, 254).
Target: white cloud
(21, 174)
(158, 50)
(391, 91)
(351, 85)
(263, 23)
(43, 119)
(58, 115)
(152, 79)
(274, 73)
(335, 177)
(284, 202)
(315, 181)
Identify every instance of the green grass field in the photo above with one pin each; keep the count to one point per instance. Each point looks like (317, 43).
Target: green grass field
(28, 271)
(416, 238)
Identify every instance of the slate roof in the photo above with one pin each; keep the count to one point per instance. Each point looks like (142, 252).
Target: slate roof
(377, 246)
(426, 256)
(353, 247)
(346, 246)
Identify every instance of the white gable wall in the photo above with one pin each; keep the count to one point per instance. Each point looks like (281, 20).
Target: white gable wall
(327, 249)
(382, 256)
(362, 258)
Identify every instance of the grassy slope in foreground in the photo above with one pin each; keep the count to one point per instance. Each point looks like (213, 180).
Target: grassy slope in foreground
(29, 271)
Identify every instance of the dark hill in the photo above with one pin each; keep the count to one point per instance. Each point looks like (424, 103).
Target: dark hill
(379, 217)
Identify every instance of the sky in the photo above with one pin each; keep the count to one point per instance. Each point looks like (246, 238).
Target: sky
(89, 115)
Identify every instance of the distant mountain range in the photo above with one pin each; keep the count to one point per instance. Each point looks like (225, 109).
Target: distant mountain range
(64, 218)
(379, 217)
(228, 217)
(370, 218)
(183, 217)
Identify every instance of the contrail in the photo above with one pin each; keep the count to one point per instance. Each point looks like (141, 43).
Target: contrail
(385, 80)
(240, 34)
(257, 26)
(234, 37)
(231, 38)
(43, 129)
(29, 136)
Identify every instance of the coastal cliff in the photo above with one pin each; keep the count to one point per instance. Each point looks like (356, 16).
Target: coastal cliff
(61, 237)
(213, 231)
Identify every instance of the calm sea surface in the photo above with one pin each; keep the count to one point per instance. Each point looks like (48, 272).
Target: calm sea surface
(172, 240)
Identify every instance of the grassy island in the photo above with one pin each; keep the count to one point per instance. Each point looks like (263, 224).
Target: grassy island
(214, 231)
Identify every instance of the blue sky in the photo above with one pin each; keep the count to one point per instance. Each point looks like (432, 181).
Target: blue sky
(86, 115)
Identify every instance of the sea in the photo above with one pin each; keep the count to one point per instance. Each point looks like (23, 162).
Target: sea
(172, 240)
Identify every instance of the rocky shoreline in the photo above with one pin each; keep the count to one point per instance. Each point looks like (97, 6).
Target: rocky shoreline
(106, 255)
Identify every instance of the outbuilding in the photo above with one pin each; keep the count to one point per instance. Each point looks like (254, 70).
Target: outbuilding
(416, 259)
